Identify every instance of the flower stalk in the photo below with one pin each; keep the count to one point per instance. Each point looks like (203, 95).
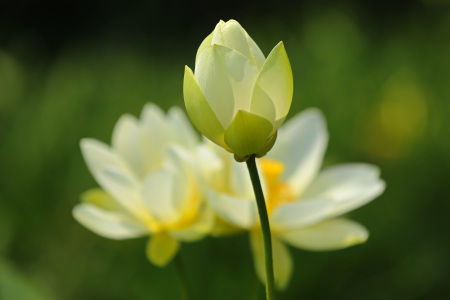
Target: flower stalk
(182, 277)
(265, 226)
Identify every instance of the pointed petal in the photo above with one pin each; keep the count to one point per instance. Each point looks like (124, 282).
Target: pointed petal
(301, 145)
(161, 248)
(211, 167)
(300, 214)
(187, 185)
(223, 175)
(156, 133)
(237, 211)
(272, 95)
(332, 234)
(101, 199)
(126, 142)
(112, 225)
(184, 133)
(199, 110)
(111, 173)
(348, 185)
(247, 133)
(226, 78)
(206, 42)
(181, 161)
(152, 116)
(154, 120)
(258, 56)
(233, 36)
(240, 182)
(282, 260)
(165, 193)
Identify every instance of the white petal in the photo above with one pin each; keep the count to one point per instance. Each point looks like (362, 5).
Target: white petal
(328, 235)
(301, 145)
(101, 199)
(205, 43)
(184, 133)
(126, 142)
(348, 185)
(165, 194)
(233, 36)
(211, 167)
(156, 134)
(282, 260)
(226, 78)
(181, 160)
(224, 173)
(153, 118)
(113, 225)
(258, 56)
(300, 214)
(112, 173)
(240, 181)
(237, 211)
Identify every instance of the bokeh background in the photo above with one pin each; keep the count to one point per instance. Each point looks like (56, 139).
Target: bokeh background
(379, 70)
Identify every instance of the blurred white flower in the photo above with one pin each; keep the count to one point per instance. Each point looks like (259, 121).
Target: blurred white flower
(304, 205)
(149, 183)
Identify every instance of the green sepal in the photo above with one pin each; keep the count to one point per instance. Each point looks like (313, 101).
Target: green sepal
(199, 110)
(267, 146)
(247, 133)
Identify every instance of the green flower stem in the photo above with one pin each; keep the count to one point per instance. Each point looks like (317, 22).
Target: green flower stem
(265, 227)
(182, 277)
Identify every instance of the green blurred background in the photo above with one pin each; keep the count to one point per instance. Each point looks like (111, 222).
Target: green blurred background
(379, 70)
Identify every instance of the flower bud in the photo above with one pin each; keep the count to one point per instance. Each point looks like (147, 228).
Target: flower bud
(237, 98)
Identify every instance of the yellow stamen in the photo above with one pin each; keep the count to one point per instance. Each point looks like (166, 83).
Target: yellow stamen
(278, 192)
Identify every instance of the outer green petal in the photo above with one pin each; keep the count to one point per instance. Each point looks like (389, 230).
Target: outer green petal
(274, 84)
(247, 133)
(199, 110)
(327, 235)
(161, 248)
(282, 260)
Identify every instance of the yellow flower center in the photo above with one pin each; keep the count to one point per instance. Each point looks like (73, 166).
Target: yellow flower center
(190, 213)
(278, 192)
(187, 217)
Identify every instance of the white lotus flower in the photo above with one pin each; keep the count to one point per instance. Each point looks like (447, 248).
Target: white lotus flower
(305, 205)
(149, 183)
